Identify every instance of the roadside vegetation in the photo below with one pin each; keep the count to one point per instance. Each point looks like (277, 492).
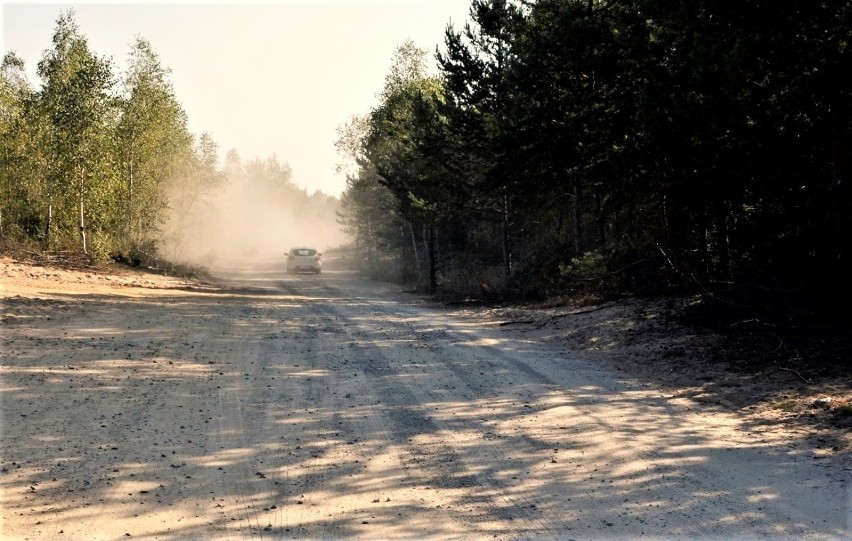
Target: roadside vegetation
(608, 148)
(550, 150)
(99, 165)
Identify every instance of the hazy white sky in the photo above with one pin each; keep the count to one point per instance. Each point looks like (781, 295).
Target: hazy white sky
(274, 77)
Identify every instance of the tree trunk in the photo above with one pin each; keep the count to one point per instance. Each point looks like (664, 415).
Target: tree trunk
(578, 245)
(600, 220)
(357, 255)
(418, 270)
(722, 241)
(49, 223)
(82, 214)
(433, 275)
(507, 250)
(130, 221)
(425, 236)
(840, 139)
(704, 251)
(841, 145)
(370, 246)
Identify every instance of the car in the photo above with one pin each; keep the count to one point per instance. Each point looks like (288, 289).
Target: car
(304, 259)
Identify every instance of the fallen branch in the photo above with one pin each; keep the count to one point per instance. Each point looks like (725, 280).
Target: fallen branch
(795, 372)
(692, 276)
(753, 320)
(613, 273)
(589, 311)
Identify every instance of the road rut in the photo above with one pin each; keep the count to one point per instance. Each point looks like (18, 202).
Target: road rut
(281, 407)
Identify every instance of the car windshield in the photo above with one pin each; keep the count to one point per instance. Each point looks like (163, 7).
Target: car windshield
(303, 251)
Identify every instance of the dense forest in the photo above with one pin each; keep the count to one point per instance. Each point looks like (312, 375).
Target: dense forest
(103, 165)
(548, 148)
(613, 146)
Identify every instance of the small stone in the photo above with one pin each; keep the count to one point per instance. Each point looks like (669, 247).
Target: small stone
(823, 402)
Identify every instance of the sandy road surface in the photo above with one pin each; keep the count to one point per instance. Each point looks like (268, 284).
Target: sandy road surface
(324, 407)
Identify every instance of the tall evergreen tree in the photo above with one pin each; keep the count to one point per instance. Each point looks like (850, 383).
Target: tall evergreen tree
(475, 66)
(392, 146)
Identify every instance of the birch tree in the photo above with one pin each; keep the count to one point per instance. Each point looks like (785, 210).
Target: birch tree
(153, 143)
(76, 100)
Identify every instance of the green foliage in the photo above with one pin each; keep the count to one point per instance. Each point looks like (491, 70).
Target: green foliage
(89, 169)
(630, 146)
(17, 219)
(396, 196)
(78, 111)
(153, 147)
(588, 268)
(566, 146)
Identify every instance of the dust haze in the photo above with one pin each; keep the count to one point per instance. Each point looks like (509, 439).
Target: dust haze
(249, 217)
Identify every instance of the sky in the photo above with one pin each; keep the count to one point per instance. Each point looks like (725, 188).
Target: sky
(262, 78)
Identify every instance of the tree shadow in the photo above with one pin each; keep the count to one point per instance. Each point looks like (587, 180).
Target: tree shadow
(310, 409)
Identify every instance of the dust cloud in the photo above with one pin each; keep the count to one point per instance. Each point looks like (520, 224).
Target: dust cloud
(249, 218)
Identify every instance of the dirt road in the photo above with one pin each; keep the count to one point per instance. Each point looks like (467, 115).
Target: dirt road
(278, 407)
